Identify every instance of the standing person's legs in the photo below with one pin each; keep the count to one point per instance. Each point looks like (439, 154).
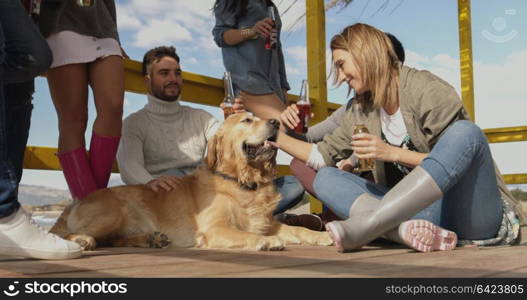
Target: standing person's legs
(8, 183)
(27, 54)
(69, 90)
(18, 97)
(18, 236)
(68, 86)
(107, 82)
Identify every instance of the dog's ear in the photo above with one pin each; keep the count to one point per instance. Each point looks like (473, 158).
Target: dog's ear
(211, 152)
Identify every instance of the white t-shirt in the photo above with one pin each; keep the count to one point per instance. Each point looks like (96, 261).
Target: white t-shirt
(392, 126)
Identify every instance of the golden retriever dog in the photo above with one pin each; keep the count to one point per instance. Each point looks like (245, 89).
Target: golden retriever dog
(226, 203)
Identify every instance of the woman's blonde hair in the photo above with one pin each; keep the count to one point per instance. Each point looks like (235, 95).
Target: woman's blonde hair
(376, 60)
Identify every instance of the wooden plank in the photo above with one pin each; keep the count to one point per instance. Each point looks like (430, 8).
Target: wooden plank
(296, 261)
(459, 263)
(135, 262)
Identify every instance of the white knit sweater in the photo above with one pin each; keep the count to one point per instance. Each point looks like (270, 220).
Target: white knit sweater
(162, 136)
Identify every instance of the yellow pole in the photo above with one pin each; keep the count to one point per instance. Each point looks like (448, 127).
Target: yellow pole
(465, 56)
(316, 67)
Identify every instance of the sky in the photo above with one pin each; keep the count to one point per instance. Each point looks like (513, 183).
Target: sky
(427, 29)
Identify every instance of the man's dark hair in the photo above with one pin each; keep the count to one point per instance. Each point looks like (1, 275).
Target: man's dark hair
(156, 54)
(397, 47)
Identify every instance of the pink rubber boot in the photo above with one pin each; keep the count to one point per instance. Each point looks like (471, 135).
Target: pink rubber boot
(77, 172)
(102, 156)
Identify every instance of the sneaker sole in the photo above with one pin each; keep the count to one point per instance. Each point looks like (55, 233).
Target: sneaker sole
(40, 254)
(424, 236)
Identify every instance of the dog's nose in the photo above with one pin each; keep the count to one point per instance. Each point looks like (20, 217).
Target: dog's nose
(274, 122)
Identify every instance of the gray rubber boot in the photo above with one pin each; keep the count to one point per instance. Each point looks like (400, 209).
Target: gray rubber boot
(366, 204)
(370, 218)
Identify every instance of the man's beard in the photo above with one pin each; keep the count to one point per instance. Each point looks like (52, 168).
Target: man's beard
(161, 95)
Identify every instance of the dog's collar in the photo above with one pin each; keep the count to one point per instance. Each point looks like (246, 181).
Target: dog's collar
(251, 187)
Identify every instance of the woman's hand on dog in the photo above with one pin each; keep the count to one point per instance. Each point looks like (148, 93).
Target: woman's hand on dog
(165, 182)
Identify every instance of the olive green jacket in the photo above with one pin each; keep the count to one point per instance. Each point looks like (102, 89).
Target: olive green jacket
(428, 105)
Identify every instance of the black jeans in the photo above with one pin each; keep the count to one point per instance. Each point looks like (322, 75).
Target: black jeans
(23, 55)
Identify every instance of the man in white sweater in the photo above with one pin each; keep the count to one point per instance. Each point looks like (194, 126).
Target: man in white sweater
(166, 140)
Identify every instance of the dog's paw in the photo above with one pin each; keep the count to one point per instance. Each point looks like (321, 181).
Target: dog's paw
(85, 241)
(157, 240)
(270, 243)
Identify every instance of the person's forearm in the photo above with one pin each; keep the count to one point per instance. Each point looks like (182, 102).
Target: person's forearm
(235, 36)
(296, 148)
(135, 175)
(408, 158)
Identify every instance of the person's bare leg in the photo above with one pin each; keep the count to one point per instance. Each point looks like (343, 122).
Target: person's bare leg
(107, 82)
(68, 86)
(69, 89)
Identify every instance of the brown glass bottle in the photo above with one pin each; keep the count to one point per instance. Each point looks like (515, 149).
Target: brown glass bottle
(304, 108)
(228, 100)
(270, 40)
(365, 164)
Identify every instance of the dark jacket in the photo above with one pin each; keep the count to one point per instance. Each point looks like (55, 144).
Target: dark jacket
(99, 21)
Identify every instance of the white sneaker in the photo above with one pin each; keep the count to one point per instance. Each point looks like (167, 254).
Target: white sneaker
(21, 236)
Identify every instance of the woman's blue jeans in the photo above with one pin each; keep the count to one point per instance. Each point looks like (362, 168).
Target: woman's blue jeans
(23, 55)
(462, 166)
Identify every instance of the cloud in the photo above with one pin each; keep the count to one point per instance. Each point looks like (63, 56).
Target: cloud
(191, 60)
(191, 16)
(127, 18)
(297, 53)
(500, 96)
(162, 32)
(499, 89)
(292, 70)
(156, 22)
(414, 59)
(292, 14)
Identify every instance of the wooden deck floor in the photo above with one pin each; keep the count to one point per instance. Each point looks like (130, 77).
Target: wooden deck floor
(295, 261)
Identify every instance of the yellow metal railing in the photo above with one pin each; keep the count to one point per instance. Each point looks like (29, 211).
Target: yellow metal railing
(197, 89)
(494, 135)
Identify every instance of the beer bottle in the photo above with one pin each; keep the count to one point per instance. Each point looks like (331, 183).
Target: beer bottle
(271, 39)
(304, 108)
(228, 100)
(365, 164)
